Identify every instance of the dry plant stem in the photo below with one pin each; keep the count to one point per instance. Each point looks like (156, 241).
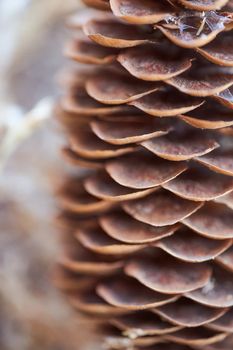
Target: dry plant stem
(24, 128)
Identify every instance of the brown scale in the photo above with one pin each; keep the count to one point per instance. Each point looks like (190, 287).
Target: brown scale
(148, 226)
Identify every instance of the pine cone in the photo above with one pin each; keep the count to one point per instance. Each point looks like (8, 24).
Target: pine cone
(148, 227)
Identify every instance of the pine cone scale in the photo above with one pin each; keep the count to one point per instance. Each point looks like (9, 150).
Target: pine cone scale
(152, 216)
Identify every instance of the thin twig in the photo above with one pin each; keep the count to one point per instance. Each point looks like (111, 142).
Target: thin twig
(17, 133)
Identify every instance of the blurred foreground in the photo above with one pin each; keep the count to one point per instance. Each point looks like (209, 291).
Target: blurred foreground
(33, 314)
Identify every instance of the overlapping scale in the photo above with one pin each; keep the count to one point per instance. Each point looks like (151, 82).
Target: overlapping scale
(198, 185)
(212, 122)
(89, 303)
(143, 170)
(219, 51)
(203, 5)
(227, 200)
(102, 186)
(130, 294)
(126, 229)
(86, 144)
(136, 11)
(213, 221)
(161, 209)
(117, 89)
(150, 120)
(220, 162)
(96, 240)
(90, 264)
(202, 83)
(90, 268)
(225, 98)
(79, 102)
(85, 51)
(166, 103)
(166, 276)
(211, 116)
(224, 323)
(188, 246)
(113, 33)
(74, 198)
(128, 130)
(145, 324)
(217, 293)
(202, 28)
(226, 259)
(73, 158)
(187, 313)
(196, 337)
(153, 63)
(181, 147)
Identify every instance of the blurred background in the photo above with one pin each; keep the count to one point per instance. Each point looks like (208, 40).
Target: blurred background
(33, 314)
